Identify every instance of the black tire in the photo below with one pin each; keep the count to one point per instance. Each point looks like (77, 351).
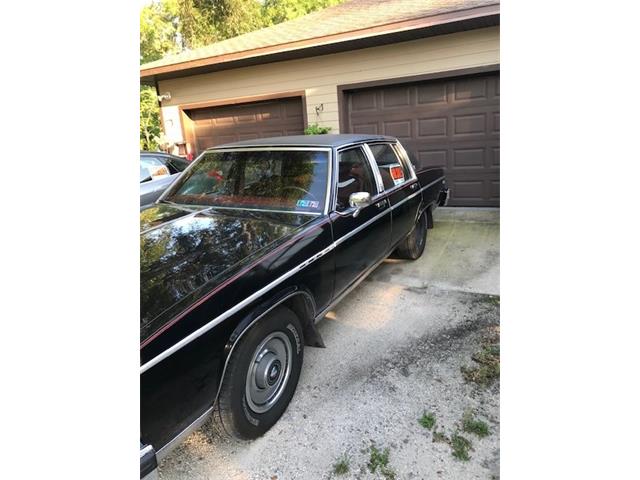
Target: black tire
(412, 247)
(237, 413)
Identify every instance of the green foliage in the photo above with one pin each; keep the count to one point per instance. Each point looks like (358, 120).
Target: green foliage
(488, 365)
(150, 130)
(315, 129)
(341, 467)
(460, 447)
(377, 458)
(158, 30)
(428, 420)
(471, 425)
(276, 11)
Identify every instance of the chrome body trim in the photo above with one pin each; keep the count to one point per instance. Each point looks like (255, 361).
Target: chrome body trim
(220, 318)
(315, 214)
(145, 450)
(361, 227)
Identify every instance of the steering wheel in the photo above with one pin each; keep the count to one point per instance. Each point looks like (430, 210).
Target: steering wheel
(306, 192)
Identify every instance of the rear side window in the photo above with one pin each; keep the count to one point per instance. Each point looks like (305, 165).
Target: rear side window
(354, 175)
(392, 170)
(151, 169)
(176, 165)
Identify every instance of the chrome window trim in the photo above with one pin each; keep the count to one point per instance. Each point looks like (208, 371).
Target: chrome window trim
(374, 168)
(407, 165)
(220, 318)
(402, 153)
(329, 151)
(341, 149)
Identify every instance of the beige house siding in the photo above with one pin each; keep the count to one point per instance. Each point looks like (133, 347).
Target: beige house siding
(320, 76)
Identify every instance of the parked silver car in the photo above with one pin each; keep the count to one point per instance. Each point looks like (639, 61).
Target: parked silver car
(157, 171)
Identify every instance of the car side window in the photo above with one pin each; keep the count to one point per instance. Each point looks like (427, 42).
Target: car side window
(151, 168)
(354, 175)
(392, 170)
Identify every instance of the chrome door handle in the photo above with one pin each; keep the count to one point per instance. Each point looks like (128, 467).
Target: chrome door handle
(381, 204)
(413, 186)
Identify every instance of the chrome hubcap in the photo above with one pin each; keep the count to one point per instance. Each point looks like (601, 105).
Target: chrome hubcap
(268, 372)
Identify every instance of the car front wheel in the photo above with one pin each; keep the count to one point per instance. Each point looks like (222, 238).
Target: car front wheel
(261, 376)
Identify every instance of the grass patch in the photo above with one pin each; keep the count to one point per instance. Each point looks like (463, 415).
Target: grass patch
(487, 359)
(388, 472)
(472, 425)
(460, 447)
(341, 467)
(380, 460)
(428, 420)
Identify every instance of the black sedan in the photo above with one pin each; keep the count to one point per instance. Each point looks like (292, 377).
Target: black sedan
(244, 253)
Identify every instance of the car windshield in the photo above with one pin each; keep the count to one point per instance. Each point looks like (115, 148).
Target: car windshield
(288, 180)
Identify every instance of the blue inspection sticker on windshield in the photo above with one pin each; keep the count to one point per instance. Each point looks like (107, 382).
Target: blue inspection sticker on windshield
(308, 203)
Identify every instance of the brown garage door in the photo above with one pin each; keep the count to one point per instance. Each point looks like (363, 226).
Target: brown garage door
(453, 123)
(216, 125)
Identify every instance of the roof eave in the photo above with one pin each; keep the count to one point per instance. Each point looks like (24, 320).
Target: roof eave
(380, 35)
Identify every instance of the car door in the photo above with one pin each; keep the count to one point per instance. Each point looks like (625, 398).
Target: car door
(401, 188)
(364, 240)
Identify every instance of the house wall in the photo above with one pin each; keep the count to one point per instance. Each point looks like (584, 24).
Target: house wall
(320, 76)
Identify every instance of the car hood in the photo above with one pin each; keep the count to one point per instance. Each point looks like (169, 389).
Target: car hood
(185, 253)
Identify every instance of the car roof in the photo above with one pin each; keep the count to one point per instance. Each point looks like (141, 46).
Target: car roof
(331, 140)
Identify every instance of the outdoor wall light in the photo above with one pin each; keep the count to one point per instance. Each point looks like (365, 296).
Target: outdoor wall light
(164, 96)
(319, 109)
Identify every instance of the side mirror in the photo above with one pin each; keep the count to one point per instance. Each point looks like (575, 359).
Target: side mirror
(359, 200)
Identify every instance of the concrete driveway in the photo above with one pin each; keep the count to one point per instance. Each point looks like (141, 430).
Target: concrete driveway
(398, 347)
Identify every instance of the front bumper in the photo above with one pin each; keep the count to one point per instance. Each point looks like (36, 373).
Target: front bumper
(148, 463)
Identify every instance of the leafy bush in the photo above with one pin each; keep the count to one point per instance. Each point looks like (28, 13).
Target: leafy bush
(315, 129)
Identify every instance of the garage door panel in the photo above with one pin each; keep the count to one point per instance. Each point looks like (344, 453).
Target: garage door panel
(452, 123)
(431, 158)
(471, 89)
(495, 123)
(216, 125)
(399, 130)
(465, 125)
(433, 94)
(395, 97)
(432, 128)
(365, 101)
(366, 128)
(293, 110)
(469, 158)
